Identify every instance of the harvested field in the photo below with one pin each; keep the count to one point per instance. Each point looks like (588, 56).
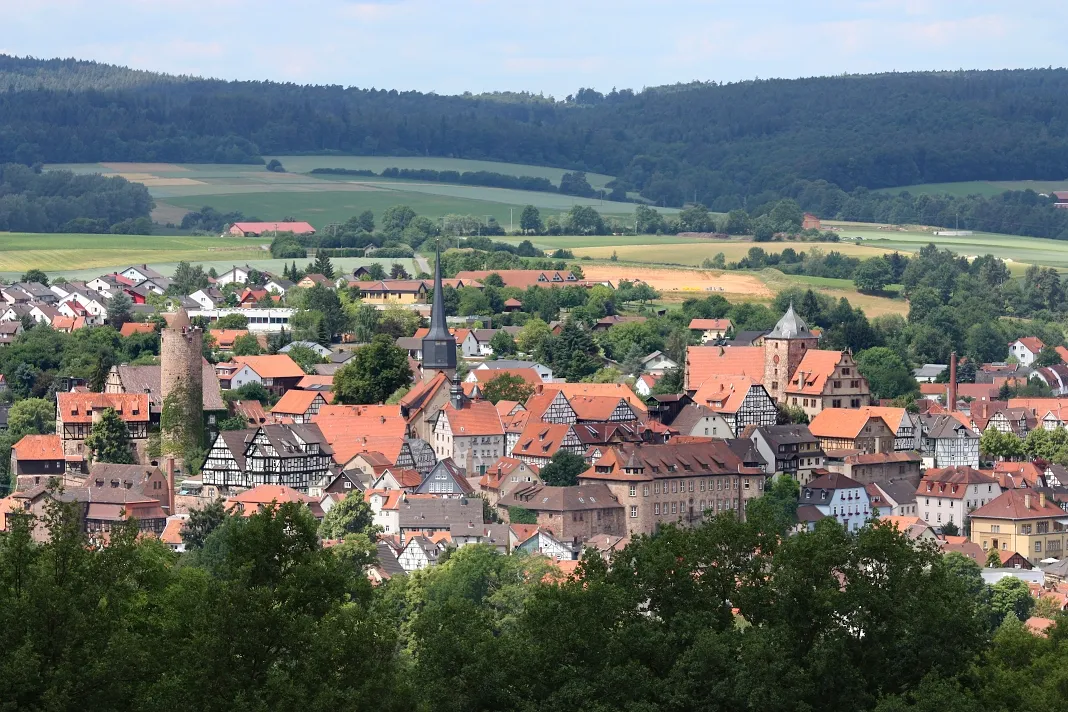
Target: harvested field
(145, 167)
(694, 253)
(700, 282)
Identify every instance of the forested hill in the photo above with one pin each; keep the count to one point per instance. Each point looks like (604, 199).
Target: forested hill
(724, 143)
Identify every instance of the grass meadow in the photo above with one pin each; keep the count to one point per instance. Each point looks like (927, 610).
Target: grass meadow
(978, 187)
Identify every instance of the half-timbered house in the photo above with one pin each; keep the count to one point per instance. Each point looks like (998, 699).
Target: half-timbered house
(550, 406)
(295, 456)
(602, 409)
(76, 413)
(741, 402)
(540, 441)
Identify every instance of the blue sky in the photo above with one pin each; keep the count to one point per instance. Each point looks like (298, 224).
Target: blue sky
(549, 46)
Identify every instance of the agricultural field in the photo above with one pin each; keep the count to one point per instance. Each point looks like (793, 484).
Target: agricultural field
(1016, 250)
(87, 256)
(695, 252)
(978, 187)
(837, 288)
(321, 200)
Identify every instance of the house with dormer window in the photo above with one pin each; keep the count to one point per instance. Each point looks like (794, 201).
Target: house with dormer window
(839, 497)
(948, 495)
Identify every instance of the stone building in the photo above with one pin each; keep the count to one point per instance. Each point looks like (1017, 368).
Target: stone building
(181, 386)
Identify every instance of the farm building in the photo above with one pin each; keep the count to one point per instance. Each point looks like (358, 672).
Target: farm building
(810, 222)
(255, 229)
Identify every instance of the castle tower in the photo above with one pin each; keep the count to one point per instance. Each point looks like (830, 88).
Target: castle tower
(181, 385)
(439, 346)
(784, 348)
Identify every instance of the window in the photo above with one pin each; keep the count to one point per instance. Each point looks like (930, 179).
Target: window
(1038, 547)
(836, 403)
(633, 491)
(633, 511)
(656, 488)
(673, 508)
(656, 508)
(645, 490)
(674, 486)
(746, 483)
(702, 485)
(837, 384)
(691, 485)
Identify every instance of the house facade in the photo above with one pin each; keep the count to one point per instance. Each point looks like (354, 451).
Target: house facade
(790, 450)
(839, 497)
(1023, 521)
(470, 433)
(949, 495)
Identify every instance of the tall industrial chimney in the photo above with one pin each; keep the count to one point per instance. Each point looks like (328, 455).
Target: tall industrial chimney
(952, 405)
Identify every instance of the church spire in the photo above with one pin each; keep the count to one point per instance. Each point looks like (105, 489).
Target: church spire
(439, 346)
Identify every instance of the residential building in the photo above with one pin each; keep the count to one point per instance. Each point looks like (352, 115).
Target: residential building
(99, 509)
(1023, 521)
(741, 401)
(298, 406)
(928, 372)
(278, 373)
(948, 495)
(296, 456)
(418, 554)
(838, 496)
(447, 479)
(543, 371)
(384, 292)
(317, 348)
(852, 429)
(874, 467)
(469, 432)
(37, 458)
(947, 441)
(76, 413)
(698, 420)
(893, 498)
(148, 380)
(1026, 349)
(572, 514)
(428, 514)
(540, 441)
(505, 475)
(676, 482)
(657, 363)
(711, 329)
(790, 450)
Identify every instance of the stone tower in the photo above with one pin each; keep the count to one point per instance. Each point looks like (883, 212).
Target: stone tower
(784, 348)
(439, 346)
(181, 385)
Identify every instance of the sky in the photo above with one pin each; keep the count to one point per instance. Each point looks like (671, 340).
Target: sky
(547, 46)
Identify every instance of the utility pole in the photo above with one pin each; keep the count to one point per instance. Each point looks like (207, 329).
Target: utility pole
(511, 228)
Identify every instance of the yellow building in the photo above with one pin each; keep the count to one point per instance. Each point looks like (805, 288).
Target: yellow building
(392, 291)
(1023, 521)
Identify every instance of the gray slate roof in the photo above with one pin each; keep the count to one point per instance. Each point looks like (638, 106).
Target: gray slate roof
(138, 379)
(791, 326)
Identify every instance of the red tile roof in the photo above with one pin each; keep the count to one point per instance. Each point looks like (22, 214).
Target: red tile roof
(840, 423)
(618, 390)
(295, 402)
(710, 324)
(817, 366)
(595, 408)
(79, 407)
(257, 228)
(1019, 504)
(724, 394)
(703, 362)
(952, 482)
(224, 338)
(541, 439)
(485, 375)
(130, 328)
(274, 366)
(475, 418)
(39, 447)
(1033, 343)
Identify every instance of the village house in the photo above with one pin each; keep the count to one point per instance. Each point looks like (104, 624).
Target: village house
(429, 514)
(852, 429)
(837, 496)
(295, 456)
(948, 495)
(419, 553)
(711, 329)
(875, 467)
(698, 420)
(741, 401)
(675, 482)
(505, 475)
(99, 508)
(277, 373)
(947, 441)
(469, 432)
(893, 498)
(571, 513)
(1020, 520)
(298, 406)
(542, 370)
(658, 363)
(76, 413)
(37, 458)
(539, 441)
(790, 450)
(1026, 349)
(446, 479)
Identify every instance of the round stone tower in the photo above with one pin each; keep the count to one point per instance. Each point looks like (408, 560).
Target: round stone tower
(181, 385)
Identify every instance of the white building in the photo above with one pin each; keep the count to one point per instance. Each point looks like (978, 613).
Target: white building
(234, 274)
(472, 435)
(658, 363)
(947, 495)
(840, 497)
(1026, 349)
(263, 320)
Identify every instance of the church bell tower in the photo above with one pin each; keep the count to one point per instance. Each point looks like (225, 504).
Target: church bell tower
(439, 346)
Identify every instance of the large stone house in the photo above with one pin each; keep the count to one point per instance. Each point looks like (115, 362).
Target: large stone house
(572, 513)
(948, 495)
(76, 413)
(1022, 521)
(469, 432)
(675, 482)
(789, 365)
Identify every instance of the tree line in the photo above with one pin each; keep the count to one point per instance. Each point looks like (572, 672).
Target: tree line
(32, 200)
(725, 616)
(717, 144)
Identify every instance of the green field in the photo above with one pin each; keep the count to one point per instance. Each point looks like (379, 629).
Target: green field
(178, 188)
(979, 187)
(837, 288)
(695, 252)
(1014, 249)
(87, 256)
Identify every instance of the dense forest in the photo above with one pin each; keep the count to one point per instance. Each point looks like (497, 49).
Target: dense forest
(32, 200)
(259, 615)
(718, 144)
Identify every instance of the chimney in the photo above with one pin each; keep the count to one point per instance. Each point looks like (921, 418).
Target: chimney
(1027, 501)
(952, 405)
(170, 486)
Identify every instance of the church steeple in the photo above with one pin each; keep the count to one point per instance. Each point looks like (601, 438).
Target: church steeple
(439, 346)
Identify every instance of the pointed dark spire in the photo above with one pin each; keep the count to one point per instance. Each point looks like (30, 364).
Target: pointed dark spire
(439, 346)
